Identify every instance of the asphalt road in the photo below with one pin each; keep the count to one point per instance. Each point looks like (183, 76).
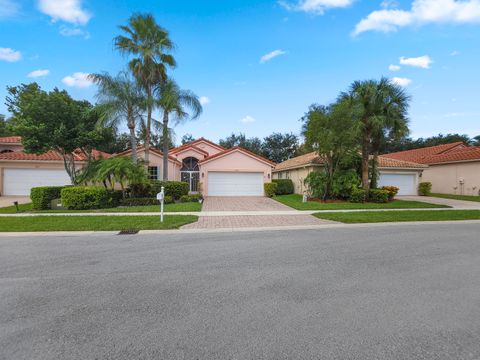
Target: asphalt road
(398, 292)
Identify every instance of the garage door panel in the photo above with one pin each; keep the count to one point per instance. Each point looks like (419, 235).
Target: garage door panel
(235, 184)
(405, 182)
(20, 181)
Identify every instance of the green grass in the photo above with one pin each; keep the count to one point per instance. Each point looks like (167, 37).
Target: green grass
(93, 223)
(400, 216)
(295, 201)
(458, 197)
(178, 207)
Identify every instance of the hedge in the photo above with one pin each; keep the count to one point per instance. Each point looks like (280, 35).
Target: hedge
(378, 196)
(392, 191)
(175, 189)
(284, 186)
(191, 198)
(270, 189)
(89, 197)
(144, 201)
(358, 196)
(42, 196)
(425, 188)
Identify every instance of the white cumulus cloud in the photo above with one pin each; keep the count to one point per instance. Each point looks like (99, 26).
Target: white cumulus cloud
(423, 62)
(70, 11)
(422, 12)
(317, 7)
(78, 79)
(204, 100)
(401, 81)
(73, 31)
(455, 53)
(394, 67)
(39, 73)
(10, 55)
(271, 55)
(248, 120)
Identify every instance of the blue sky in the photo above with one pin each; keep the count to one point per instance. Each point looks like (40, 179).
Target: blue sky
(260, 64)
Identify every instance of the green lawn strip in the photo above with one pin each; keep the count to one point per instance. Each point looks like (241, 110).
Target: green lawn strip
(12, 209)
(93, 223)
(458, 197)
(400, 216)
(295, 201)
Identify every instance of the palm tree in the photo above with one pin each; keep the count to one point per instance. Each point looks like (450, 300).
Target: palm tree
(151, 46)
(377, 105)
(120, 99)
(173, 101)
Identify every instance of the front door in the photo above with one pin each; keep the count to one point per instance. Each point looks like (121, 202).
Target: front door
(190, 173)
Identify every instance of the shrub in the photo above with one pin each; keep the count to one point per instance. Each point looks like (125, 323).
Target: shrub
(284, 186)
(191, 198)
(88, 197)
(175, 189)
(144, 201)
(270, 189)
(358, 196)
(316, 183)
(392, 191)
(140, 190)
(42, 196)
(425, 188)
(344, 182)
(378, 196)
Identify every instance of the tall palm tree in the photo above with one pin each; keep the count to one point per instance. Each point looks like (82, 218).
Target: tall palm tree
(150, 46)
(378, 105)
(120, 99)
(173, 101)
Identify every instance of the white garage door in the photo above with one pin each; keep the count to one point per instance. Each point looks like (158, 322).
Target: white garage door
(235, 184)
(20, 181)
(405, 182)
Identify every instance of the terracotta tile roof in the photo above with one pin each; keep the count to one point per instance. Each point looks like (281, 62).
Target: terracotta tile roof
(141, 148)
(420, 155)
(385, 162)
(187, 147)
(300, 161)
(49, 156)
(182, 147)
(237, 148)
(11, 139)
(457, 155)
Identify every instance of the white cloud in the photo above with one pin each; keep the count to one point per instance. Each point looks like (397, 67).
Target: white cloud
(455, 53)
(271, 55)
(39, 73)
(401, 81)
(393, 67)
(8, 8)
(248, 120)
(204, 100)
(73, 31)
(66, 10)
(422, 12)
(10, 55)
(423, 62)
(78, 79)
(317, 7)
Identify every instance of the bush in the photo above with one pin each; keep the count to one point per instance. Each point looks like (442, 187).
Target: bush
(175, 189)
(392, 191)
(358, 196)
(425, 188)
(378, 196)
(140, 190)
(344, 182)
(270, 189)
(284, 186)
(191, 198)
(88, 197)
(316, 183)
(42, 196)
(144, 201)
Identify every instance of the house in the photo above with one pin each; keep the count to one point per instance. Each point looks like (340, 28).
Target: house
(19, 171)
(452, 168)
(403, 174)
(211, 169)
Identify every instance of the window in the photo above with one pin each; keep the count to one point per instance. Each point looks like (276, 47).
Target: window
(189, 164)
(153, 173)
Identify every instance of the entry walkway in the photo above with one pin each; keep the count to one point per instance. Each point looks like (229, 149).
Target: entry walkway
(456, 204)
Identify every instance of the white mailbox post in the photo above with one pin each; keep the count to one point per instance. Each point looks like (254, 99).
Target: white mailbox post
(161, 198)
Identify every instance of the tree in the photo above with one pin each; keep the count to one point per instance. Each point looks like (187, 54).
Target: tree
(187, 138)
(150, 45)
(280, 147)
(120, 101)
(407, 143)
(54, 121)
(372, 102)
(4, 129)
(476, 141)
(174, 102)
(253, 144)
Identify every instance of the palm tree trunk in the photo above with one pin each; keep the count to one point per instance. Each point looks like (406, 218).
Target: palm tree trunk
(365, 160)
(165, 135)
(374, 182)
(149, 125)
(133, 139)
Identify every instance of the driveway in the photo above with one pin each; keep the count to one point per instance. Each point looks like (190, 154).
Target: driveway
(458, 204)
(364, 293)
(242, 203)
(8, 200)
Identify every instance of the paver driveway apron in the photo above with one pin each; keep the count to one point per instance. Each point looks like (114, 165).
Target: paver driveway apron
(252, 205)
(8, 200)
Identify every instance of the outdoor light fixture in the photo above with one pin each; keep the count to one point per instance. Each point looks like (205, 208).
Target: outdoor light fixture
(16, 205)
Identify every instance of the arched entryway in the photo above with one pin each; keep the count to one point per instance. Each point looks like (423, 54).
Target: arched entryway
(190, 173)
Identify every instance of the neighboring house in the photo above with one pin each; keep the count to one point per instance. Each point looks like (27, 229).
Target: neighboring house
(19, 171)
(211, 169)
(452, 168)
(403, 174)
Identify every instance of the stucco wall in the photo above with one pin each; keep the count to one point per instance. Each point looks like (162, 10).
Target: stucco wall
(446, 178)
(211, 150)
(157, 160)
(233, 162)
(297, 176)
(189, 153)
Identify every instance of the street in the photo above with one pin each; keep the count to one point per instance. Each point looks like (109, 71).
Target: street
(387, 292)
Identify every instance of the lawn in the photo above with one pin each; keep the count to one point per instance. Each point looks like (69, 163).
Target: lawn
(400, 216)
(177, 207)
(295, 201)
(457, 197)
(93, 223)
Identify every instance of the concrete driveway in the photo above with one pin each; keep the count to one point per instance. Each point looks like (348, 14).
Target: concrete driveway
(457, 204)
(396, 292)
(8, 200)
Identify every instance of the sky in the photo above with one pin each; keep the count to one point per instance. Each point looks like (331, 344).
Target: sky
(259, 64)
